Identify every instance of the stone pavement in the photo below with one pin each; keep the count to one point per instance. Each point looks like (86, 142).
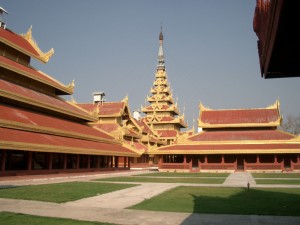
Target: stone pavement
(111, 207)
(239, 179)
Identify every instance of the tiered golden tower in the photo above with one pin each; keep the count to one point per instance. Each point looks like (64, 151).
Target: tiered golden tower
(162, 114)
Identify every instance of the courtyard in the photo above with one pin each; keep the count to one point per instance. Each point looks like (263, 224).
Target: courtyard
(151, 198)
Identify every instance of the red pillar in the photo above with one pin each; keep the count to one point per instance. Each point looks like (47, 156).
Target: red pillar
(77, 161)
(116, 161)
(65, 161)
(50, 158)
(3, 157)
(223, 161)
(125, 161)
(257, 159)
(184, 159)
(275, 158)
(29, 161)
(88, 161)
(129, 159)
(205, 159)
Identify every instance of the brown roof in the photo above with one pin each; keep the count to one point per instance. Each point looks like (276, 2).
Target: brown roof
(239, 117)
(31, 97)
(241, 135)
(239, 148)
(167, 133)
(33, 74)
(24, 140)
(37, 121)
(16, 41)
(106, 108)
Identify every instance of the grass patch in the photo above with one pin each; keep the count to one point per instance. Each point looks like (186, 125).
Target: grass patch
(219, 200)
(276, 175)
(277, 181)
(179, 174)
(61, 192)
(192, 180)
(8, 218)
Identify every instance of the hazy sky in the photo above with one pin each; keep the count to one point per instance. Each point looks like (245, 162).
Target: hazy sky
(210, 50)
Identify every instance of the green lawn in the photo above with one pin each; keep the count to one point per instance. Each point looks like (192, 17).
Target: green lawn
(277, 181)
(179, 174)
(276, 175)
(61, 192)
(7, 218)
(192, 180)
(219, 200)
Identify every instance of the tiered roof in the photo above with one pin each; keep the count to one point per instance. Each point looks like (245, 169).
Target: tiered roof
(32, 115)
(225, 118)
(237, 131)
(162, 112)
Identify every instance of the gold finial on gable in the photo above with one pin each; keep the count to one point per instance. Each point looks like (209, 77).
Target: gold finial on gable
(71, 86)
(44, 56)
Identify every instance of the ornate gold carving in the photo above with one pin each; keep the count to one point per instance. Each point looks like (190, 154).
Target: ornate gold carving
(44, 57)
(71, 86)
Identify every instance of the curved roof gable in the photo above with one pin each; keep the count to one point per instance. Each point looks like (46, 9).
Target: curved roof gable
(25, 44)
(224, 118)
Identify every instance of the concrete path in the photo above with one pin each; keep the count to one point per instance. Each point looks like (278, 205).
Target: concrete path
(124, 198)
(239, 179)
(110, 207)
(137, 217)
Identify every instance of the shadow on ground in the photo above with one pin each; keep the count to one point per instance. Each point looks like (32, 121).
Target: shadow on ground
(274, 202)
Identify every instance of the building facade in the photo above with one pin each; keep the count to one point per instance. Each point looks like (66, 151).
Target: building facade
(234, 139)
(40, 132)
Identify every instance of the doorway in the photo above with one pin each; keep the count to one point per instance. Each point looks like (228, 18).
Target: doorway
(240, 162)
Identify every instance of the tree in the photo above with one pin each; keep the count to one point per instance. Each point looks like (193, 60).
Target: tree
(291, 124)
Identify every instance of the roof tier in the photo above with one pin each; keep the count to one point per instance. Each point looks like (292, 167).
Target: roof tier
(238, 148)
(32, 141)
(18, 118)
(264, 117)
(105, 109)
(242, 135)
(36, 75)
(25, 44)
(33, 98)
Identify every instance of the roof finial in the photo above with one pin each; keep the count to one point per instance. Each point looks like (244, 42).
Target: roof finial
(161, 60)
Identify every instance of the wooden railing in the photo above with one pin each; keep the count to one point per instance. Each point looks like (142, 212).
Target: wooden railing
(175, 166)
(263, 166)
(217, 166)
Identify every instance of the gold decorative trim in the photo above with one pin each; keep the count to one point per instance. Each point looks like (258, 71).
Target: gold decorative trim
(34, 102)
(224, 152)
(53, 131)
(57, 149)
(44, 57)
(56, 83)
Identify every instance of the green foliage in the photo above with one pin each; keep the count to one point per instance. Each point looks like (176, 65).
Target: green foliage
(7, 218)
(277, 181)
(276, 175)
(180, 174)
(217, 200)
(61, 192)
(192, 180)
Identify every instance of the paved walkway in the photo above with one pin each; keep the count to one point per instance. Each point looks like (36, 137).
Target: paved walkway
(239, 179)
(110, 207)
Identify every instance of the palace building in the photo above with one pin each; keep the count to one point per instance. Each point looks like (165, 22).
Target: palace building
(40, 132)
(234, 139)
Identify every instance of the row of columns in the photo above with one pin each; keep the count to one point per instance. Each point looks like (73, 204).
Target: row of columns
(223, 159)
(113, 161)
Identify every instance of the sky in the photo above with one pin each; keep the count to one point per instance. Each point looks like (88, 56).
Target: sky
(210, 51)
